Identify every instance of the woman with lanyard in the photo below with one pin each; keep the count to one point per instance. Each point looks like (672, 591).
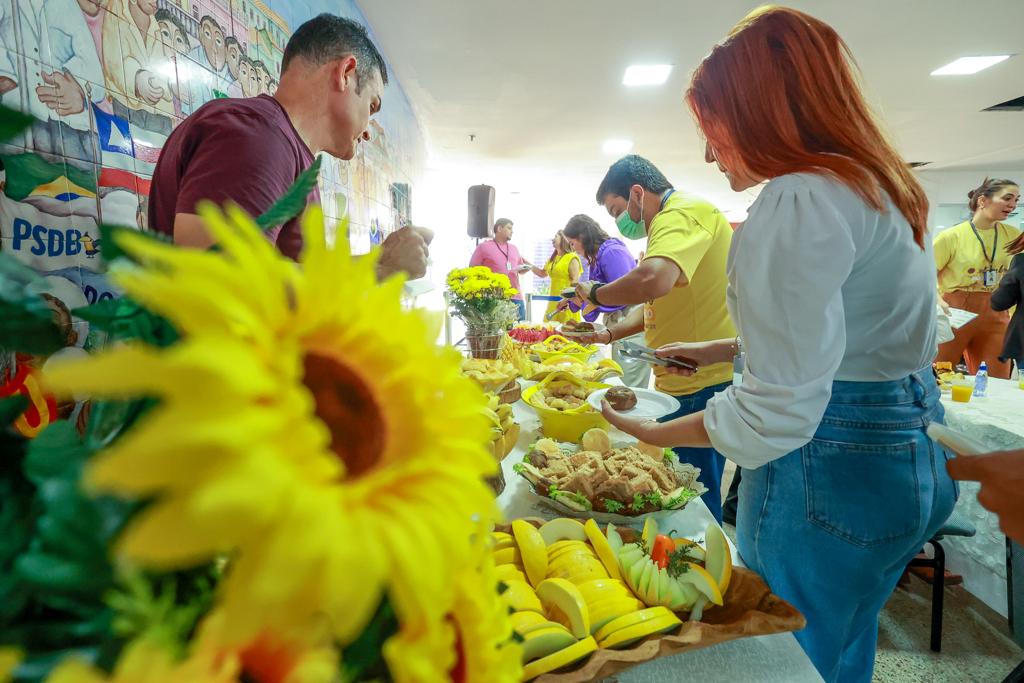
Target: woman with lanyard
(832, 289)
(564, 268)
(608, 259)
(971, 259)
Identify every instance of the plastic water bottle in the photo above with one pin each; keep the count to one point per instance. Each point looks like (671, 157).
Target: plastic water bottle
(981, 380)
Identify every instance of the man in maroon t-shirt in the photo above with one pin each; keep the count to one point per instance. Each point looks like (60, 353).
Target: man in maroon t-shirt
(250, 150)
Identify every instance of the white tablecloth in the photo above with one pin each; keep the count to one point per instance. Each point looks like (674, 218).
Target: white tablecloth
(762, 658)
(996, 420)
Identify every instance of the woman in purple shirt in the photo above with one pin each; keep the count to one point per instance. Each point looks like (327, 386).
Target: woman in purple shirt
(608, 259)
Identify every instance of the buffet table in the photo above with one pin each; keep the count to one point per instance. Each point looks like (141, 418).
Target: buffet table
(996, 420)
(762, 658)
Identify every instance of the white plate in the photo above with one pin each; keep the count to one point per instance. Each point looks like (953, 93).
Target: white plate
(649, 404)
(598, 329)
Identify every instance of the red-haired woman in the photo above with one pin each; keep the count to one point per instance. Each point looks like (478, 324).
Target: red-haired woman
(832, 288)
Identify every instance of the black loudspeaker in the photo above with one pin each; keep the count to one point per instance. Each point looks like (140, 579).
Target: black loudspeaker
(481, 211)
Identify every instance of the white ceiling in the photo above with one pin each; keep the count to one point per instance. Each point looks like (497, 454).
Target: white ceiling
(539, 82)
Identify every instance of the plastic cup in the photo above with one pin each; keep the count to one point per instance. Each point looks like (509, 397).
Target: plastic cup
(962, 391)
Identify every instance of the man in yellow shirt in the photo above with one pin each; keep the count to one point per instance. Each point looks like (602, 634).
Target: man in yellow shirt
(681, 283)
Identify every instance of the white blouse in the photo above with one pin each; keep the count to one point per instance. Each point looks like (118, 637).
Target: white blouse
(821, 287)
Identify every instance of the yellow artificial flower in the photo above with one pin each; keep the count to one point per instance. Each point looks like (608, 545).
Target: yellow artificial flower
(307, 425)
(483, 625)
(10, 658)
(147, 662)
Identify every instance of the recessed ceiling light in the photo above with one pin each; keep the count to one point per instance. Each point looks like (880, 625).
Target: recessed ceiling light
(969, 65)
(616, 146)
(646, 74)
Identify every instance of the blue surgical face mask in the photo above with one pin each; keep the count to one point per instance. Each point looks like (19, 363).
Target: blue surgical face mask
(629, 228)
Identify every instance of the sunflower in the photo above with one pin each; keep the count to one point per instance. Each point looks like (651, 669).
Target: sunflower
(307, 426)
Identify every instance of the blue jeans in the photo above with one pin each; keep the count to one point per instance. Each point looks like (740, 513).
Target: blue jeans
(522, 308)
(710, 461)
(831, 526)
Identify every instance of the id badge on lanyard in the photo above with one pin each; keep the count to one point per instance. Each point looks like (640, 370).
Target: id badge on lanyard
(508, 266)
(989, 277)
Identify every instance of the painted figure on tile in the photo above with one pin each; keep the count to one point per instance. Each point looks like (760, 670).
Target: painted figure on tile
(138, 81)
(174, 40)
(94, 11)
(264, 78)
(211, 53)
(57, 78)
(234, 54)
(247, 77)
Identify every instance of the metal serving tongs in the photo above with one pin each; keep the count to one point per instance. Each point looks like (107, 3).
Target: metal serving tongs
(632, 350)
(567, 293)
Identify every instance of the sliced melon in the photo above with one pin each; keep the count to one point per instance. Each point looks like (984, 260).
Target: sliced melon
(508, 556)
(614, 538)
(562, 529)
(545, 641)
(650, 532)
(630, 554)
(631, 619)
(601, 589)
(524, 622)
(602, 548)
(608, 610)
(532, 549)
(561, 546)
(699, 578)
(562, 658)
(521, 597)
(718, 560)
(644, 590)
(563, 603)
(627, 636)
(509, 572)
(634, 573)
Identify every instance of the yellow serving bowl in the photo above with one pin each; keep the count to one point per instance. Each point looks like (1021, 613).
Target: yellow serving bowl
(565, 425)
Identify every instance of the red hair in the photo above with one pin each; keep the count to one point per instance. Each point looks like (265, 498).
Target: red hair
(780, 95)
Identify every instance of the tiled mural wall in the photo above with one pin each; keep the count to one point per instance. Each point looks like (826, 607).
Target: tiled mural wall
(108, 80)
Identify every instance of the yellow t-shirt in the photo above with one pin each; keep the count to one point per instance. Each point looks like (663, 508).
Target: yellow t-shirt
(960, 261)
(695, 236)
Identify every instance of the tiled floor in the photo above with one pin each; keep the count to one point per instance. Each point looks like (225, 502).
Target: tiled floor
(975, 642)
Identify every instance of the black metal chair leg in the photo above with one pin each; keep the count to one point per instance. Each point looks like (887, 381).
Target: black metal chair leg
(938, 586)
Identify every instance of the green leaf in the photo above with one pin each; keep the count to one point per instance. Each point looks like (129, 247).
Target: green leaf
(125, 319)
(12, 122)
(11, 408)
(26, 320)
(292, 202)
(112, 251)
(364, 659)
